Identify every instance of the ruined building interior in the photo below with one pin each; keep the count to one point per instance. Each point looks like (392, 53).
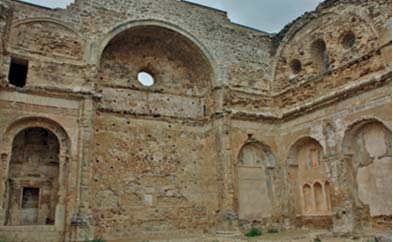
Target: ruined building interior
(235, 127)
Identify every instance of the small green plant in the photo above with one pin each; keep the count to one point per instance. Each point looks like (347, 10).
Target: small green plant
(317, 240)
(254, 232)
(94, 240)
(273, 231)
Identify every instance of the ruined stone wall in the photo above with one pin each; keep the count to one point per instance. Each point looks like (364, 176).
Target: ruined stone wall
(6, 13)
(146, 172)
(233, 113)
(328, 126)
(16, 116)
(353, 40)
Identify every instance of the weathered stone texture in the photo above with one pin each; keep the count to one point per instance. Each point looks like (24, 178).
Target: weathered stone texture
(241, 127)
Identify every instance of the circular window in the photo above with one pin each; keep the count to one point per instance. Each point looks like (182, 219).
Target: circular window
(348, 40)
(296, 66)
(146, 79)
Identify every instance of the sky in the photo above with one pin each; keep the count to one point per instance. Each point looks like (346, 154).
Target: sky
(266, 15)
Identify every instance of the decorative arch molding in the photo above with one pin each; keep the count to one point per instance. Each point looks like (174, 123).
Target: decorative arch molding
(298, 26)
(6, 144)
(271, 159)
(34, 122)
(50, 20)
(73, 42)
(294, 148)
(351, 129)
(98, 48)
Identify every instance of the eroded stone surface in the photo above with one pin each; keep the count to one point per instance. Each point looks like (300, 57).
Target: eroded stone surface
(241, 128)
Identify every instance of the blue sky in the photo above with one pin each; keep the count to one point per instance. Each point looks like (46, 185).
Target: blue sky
(267, 15)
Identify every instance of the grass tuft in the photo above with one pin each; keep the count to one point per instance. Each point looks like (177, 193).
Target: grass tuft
(254, 232)
(94, 240)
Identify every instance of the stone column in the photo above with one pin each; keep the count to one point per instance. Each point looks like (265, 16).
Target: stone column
(82, 228)
(343, 202)
(14, 211)
(60, 207)
(314, 204)
(325, 203)
(227, 218)
(293, 195)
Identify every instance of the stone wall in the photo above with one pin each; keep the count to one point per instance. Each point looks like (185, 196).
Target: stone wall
(240, 126)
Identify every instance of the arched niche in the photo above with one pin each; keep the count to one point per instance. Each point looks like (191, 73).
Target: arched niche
(308, 178)
(328, 192)
(255, 183)
(367, 143)
(34, 165)
(47, 37)
(305, 153)
(320, 55)
(33, 178)
(177, 64)
(307, 197)
(319, 197)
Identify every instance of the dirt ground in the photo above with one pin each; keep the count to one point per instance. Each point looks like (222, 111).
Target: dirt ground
(288, 236)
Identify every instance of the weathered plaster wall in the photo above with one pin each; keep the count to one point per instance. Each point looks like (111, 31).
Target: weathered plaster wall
(374, 180)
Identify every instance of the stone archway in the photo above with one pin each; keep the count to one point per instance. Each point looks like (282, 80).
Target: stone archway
(26, 170)
(33, 178)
